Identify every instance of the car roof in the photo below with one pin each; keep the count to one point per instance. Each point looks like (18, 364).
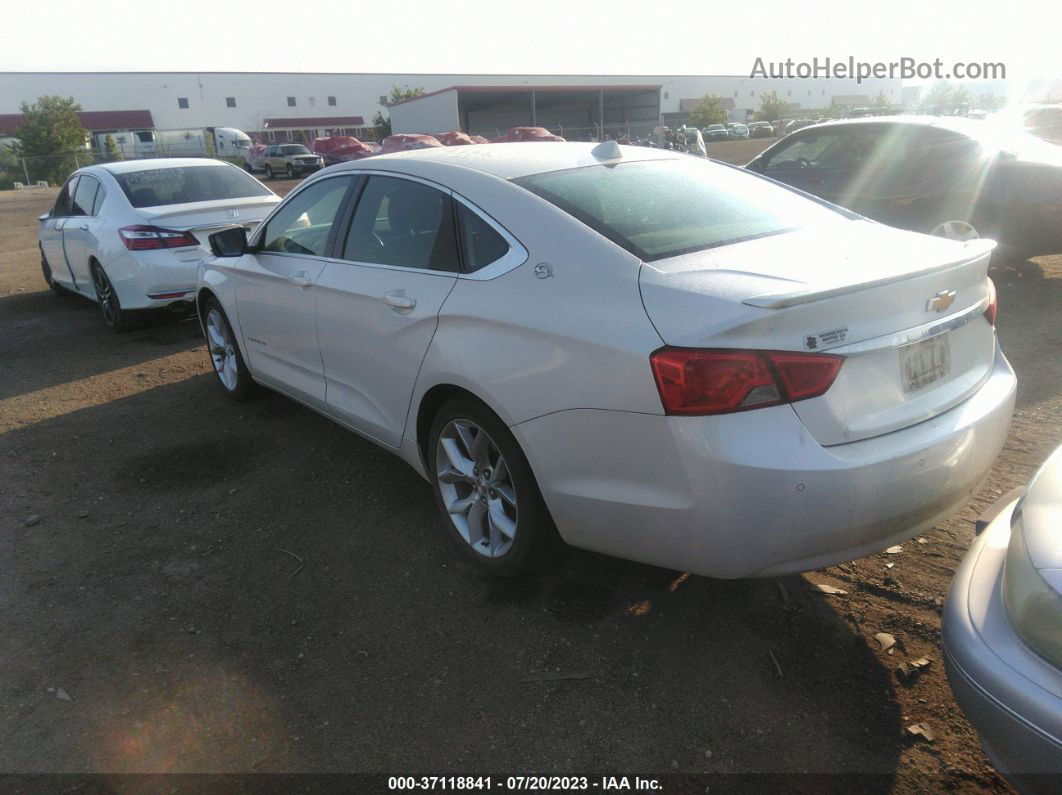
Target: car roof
(973, 128)
(509, 160)
(127, 166)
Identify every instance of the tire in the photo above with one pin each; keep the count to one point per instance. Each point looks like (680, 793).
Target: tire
(46, 269)
(224, 352)
(247, 167)
(504, 525)
(268, 171)
(291, 171)
(116, 318)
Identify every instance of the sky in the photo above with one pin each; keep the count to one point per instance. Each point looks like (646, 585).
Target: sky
(703, 37)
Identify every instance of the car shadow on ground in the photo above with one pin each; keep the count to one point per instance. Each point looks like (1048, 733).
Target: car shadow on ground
(247, 587)
(48, 339)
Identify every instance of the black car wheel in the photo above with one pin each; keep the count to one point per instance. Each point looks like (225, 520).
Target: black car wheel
(116, 318)
(268, 171)
(291, 171)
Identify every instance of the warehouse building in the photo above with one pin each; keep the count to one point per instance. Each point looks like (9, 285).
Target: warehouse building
(290, 106)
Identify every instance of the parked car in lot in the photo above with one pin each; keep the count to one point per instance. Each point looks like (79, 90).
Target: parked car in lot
(255, 158)
(1002, 632)
(716, 132)
(341, 148)
(405, 142)
(130, 235)
(738, 131)
(663, 358)
(957, 178)
(514, 134)
(291, 160)
(761, 129)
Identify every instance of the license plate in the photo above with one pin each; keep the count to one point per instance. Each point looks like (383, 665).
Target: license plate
(924, 362)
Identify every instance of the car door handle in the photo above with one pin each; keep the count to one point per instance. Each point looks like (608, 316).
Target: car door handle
(400, 302)
(83, 227)
(300, 279)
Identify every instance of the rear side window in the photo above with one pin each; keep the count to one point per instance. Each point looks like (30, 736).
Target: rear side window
(480, 244)
(84, 196)
(156, 187)
(62, 202)
(97, 203)
(403, 223)
(664, 208)
(303, 224)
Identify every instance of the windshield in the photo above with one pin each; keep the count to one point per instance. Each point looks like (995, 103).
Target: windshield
(663, 208)
(295, 149)
(716, 127)
(183, 184)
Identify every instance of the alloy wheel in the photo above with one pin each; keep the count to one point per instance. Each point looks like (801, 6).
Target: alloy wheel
(222, 349)
(955, 230)
(476, 488)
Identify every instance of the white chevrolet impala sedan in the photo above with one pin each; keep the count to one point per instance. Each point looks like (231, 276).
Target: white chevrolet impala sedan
(648, 354)
(130, 235)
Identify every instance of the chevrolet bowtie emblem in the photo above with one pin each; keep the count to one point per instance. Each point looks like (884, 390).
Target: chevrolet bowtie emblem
(941, 301)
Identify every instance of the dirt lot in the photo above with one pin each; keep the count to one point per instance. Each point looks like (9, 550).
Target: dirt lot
(188, 584)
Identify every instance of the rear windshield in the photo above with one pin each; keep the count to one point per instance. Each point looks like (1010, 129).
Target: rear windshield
(182, 184)
(664, 208)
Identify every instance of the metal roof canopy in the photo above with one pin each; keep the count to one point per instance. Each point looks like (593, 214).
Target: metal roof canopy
(485, 109)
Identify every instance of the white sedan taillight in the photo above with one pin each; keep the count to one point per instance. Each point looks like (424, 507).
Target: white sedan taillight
(141, 237)
(693, 381)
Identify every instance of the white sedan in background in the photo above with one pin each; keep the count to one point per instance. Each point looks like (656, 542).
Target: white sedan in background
(130, 235)
(663, 358)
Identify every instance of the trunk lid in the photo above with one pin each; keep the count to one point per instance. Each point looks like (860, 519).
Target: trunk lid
(906, 311)
(204, 218)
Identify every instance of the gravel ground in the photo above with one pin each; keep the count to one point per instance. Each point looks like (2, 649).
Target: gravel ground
(192, 585)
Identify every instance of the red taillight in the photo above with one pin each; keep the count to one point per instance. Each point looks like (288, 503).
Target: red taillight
(144, 238)
(694, 381)
(993, 303)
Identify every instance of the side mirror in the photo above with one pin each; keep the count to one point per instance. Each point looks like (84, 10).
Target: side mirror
(44, 216)
(231, 242)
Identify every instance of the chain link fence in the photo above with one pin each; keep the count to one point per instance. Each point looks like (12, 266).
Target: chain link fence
(52, 170)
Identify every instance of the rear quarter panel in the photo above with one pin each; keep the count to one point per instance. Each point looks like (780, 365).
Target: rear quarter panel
(528, 346)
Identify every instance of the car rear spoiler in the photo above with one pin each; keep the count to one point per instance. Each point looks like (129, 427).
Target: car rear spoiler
(975, 249)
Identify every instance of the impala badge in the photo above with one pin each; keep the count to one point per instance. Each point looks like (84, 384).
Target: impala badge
(941, 301)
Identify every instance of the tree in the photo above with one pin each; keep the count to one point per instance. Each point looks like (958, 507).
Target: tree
(771, 107)
(944, 94)
(990, 101)
(111, 148)
(709, 111)
(398, 94)
(51, 133)
(881, 101)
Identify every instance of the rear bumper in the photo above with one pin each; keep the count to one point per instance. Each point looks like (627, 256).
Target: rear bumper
(1011, 695)
(137, 276)
(752, 494)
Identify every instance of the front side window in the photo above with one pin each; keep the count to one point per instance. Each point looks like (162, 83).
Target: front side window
(664, 208)
(183, 184)
(403, 223)
(302, 225)
(84, 196)
(480, 244)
